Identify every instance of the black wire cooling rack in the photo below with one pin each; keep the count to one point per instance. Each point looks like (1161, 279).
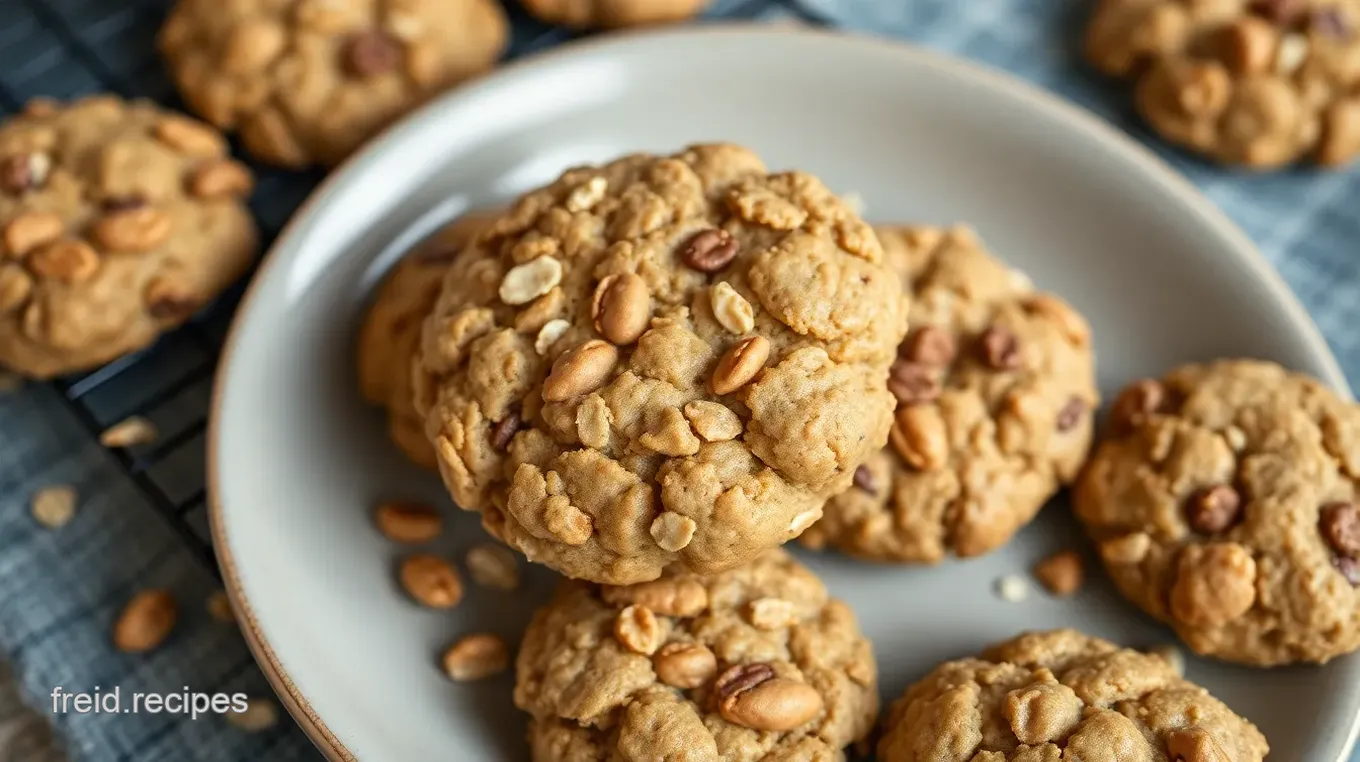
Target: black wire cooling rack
(68, 48)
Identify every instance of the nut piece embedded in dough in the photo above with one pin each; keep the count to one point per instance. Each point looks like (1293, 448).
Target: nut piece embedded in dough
(740, 364)
(30, 230)
(919, 436)
(672, 531)
(1215, 584)
(622, 308)
(752, 696)
(580, 371)
(684, 665)
(138, 229)
(668, 596)
(637, 629)
(731, 309)
(1042, 713)
(525, 283)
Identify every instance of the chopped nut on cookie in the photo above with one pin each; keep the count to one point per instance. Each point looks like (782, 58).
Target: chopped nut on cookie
(772, 669)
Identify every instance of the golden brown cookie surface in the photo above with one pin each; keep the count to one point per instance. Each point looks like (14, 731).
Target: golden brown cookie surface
(756, 663)
(1224, 503)
(1258, 83)
(391, 332)
(660, 360)
(995, 386)
(1049, 696)
(307, 82)
(118, 221)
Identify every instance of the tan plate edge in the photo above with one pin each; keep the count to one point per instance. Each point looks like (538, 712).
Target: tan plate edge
(291, 696)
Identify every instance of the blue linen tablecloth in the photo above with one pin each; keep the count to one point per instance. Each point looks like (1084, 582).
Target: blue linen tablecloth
(60, 590)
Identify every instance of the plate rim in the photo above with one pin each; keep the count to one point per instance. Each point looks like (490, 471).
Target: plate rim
(284, 247)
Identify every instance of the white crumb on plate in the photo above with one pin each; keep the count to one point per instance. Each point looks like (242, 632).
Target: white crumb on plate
(1012, 588)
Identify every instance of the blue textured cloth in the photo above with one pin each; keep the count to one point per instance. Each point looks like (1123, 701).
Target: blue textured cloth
(60, 590)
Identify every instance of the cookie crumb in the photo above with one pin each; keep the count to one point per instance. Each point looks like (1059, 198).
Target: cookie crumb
(476, 657)
(854, 201)
(53, 507)
(1012, 588)
(219, 608)
(260, 714)
(1062, 573)
(1173, 656)
(493, 566)
(129, 433)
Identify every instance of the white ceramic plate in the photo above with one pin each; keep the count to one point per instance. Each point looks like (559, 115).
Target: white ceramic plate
(297, 460)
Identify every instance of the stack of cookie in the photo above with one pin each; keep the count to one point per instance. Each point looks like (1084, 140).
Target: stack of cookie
(648, 375)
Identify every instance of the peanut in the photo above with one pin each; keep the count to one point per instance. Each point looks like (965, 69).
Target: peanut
(740, 364)
(580, 371)
(525, 283)
(684, 665)
(408, 522)
(431, 581)
(672, 531)
(132, 230)
(146, 621)
(476, 657)
(220, 179)
(66, 260)
(672, 596)
(30, 230)
(638, 630)
(622, 308)
(753, 697)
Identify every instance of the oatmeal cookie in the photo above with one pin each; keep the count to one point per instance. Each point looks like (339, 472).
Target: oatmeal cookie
(665, 359)
(755, 663)
(118, 221)
(995, 386)
(1047, 696)
(612, 14)
(307, 82)
(1224, 504)
(391, 331)
(1256, 83)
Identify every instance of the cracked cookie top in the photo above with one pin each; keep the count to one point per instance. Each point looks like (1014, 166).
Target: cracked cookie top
(994, 387)
(307, 82)
(665, 359)
(755, 663)
(1224, 503)
(1047, 696)
(390, 332)
(1258, 83)
(118, 221)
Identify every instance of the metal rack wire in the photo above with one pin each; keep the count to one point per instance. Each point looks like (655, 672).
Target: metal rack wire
(67, 48)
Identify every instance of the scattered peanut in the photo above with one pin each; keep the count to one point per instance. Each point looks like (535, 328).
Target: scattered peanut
(672, 531)
(770, 613)
(132, 230)
(526, 282)
(30, 230)
(684, 665)
(407, 522)
(260, 714)
(476, 657)
(549, 334)
(129, 432)
(493, 566)
(740, 364)
(622, 308)
(431, 581)
(53, 507)
(580, 371)
(146, 621)
(731, 309)
(752, 696)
